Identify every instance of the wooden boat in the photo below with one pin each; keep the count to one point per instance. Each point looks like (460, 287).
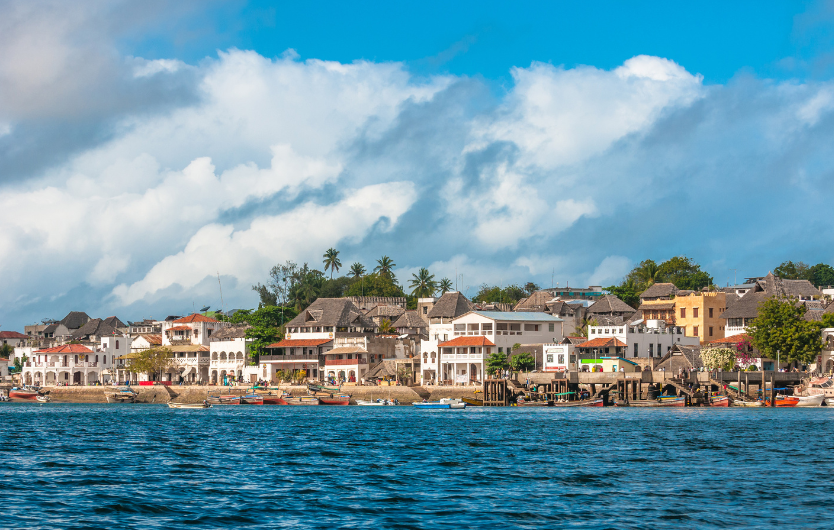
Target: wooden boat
(783, 401)
(747, 403)
(223, 400)
(376, 403)
(810, 401)
(599, 402)
(251, 400)
(302, 401)
(334, 400)
(203, 405)
(121, 395)
(473, 402)
(19, 393)
(44, 399)
(270, 399)
(524, 403)
(719, 401)
(314, 389)
(670, 401)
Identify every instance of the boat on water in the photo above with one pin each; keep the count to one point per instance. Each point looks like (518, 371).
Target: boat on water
(44, 399)
(719, 401)
(223, 400)
(598, 402)
(473, 402)
(376, 403)
(28, 393)
(334, 400)
(204, 405)
(314, 389)
(445, 403)
(810, 401)
(739, 403)
(121, 395)
(784, 401)
(303, 401)
(665, 401)
(273, 396)
(251, 399)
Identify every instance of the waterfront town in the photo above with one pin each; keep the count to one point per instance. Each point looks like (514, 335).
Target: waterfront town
(550, 346)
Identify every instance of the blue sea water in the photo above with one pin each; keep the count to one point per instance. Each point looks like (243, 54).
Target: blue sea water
(147, 466)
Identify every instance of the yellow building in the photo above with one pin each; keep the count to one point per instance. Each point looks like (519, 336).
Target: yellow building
(699, 314)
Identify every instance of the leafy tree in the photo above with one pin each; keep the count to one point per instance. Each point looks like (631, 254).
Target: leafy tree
(385, 327)
(821, 275)
(496, 363)
(357, 270)
(374, 284)
(645, 274)
(281, 280)
(522, 362)
(152, 362)
(628, 292)
(780, 327)
(789, 270)
(531, 288)
(331, 261)
(6, 351)
(684, 273)
(385, 267)
(267, 327)
(494, 294)
(445, 285)
(583, 329)
(335, 288)
(423, 284)
(18, 363)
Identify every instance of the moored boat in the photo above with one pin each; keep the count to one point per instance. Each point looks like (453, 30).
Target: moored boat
(580, 403)
(251, 399)
(121, 395)
(270, 399)
(203, 405)
(747, 403)
(302, 401)
(667, 401)
(445, 403)
(20, 393)
(810, 401)
(334, 400)
(719, 401)
(473, 402)
(376, 403)
(44, 399)
(784, 401)
(223, 400)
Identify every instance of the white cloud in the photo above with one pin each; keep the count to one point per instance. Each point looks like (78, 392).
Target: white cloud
(611, 270)
(144, 68)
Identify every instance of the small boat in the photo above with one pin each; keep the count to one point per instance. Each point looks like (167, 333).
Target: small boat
(44, 399)
(23, 393)
(445, 403)
(302, 401)
(334, 400)
(719, 401)
(667, 401)
(747, 403)
(251, 399)
(376, 403)
(204, 405)
(121, 395)
(274, 398)
(599, 402)
(223, 400)
(313, 389)
(784, 401)
(810, 401)
(473, 402)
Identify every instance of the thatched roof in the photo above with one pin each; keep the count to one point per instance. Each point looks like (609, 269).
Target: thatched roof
(610, 305)
(410, 319)
(681, 356)
(230, 332)
(451, 305)
(659, 290)
(535, 302)
(338, 312)
(384, 369)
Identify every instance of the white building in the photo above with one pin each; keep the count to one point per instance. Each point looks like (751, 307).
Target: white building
(13, 338)
(439, 314)
(653, 340)
(229, 354)
(194, 329)
(145, 342)
(477, 334)
(75, 364)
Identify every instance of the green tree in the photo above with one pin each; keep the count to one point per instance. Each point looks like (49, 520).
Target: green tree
(423, 284)
(684, 273)
(385, 327)
(281, 281)
(494, 294)
(646, 273)
(357, 270)
(715, 358)
(780, 328)
(789, 270)
(6, 351)
(267, 327)
(582, 331)
(445, 285)
(531, 288)
(152, 362)
(821, 275)
(331, 261)
(496, 363)
(18, 363)
(522, 362)
(335, 288)
(374, 284)
(628, 292)
(385, 267)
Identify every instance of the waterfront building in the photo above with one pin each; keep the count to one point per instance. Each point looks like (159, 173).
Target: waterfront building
(699, 313)
(650, 340)
(75, 364)
(608, 364)
(195, 329)
(559, 357)
(440, 314)
(229, 350)
(145, 342)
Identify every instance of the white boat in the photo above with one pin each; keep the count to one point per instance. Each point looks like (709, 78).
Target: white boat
(189, 406)
(747, 403)
(376, 403)
(810, 401)
(44, 399)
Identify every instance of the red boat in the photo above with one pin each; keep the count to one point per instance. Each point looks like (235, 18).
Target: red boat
(274, 400)
(334, 400)
(23, 394)
(251, 400)
(719, 401)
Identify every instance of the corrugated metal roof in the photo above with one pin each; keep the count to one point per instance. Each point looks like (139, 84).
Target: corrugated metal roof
(521, 316)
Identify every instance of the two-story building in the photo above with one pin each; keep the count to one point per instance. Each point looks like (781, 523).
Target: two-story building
(439, 314)
(652, 340)
(699, 313)
(229, 350)
(75, 364)
(13, 338)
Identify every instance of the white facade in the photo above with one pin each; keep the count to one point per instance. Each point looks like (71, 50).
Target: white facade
(642, 341)
(194, 329)
(74, 364)
(558, 357)
(228, 359)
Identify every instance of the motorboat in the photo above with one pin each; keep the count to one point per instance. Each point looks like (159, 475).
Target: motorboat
(810, 401)
(598, 402)
(334, 400)
(719, 401)
(223, 400)
(251, 399)
(473, 402)
(44, 399)
(28, 393)
(784, 401)
(203, 405)
(747, 403)
(121, 395)
(445, 403)
(376, 403)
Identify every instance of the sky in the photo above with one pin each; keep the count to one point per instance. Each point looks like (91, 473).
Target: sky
(152, 152)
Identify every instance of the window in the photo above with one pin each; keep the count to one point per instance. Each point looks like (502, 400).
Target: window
(472, 327)
(551, 327)
(96, 358)
(695, 331)
(694, 312)
(117, 345)
(636, 349)
(561, 358)
(460, 327)
(425, 310)
(683, 312)
(651, 350)
(531, 327)
(710, 312)
(515, 327)
(502, 327)
(550, 357)
(710, 331)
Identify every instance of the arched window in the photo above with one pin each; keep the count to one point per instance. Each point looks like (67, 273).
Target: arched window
(117, 344)
(76, 359)
(96, 358)
(104, 359)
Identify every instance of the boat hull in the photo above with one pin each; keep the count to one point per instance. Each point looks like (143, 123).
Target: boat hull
(274, 400)
(334, 401)
(300, 401)
(23, 394)
(720, 402)
(810, 401)
(189, 406)
(251, 400)
(678, 402)
(223, 400)
(582, 403)
(747, 403)
(472, 402)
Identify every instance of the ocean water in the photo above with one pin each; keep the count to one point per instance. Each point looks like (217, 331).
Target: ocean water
(146, 466)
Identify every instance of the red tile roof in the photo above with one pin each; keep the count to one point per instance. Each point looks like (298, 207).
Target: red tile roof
(196, 317)
(733, 339)
(6, 360)
(602, 342)
(67, 348)
(152, 339)
(295, 343)
(179, 328)
(466, 341)
(12, 335)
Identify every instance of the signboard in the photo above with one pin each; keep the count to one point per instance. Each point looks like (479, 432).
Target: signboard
(556, 358)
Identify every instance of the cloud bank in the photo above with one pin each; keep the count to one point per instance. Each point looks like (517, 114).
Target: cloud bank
(183, 172)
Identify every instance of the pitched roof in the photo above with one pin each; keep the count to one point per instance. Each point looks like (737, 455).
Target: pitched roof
(466, 341)
(230, 332)
(659, 290)
(345, 349)
(656, 305)
(338, 312)
(12, 335)
(521, 316)
(195, 317)
(451, 305)
(67, 348)
(732, 339)
(602, 342)
(384, 369)
(115, 322)
(410, 319)
(295, 343)
(96, 328)
(610, 304)
(178, 328)
(51, 328)
(184, 348)
(691, 355)
(384, 310)
(75, 319)
(535, 302)
(747, 306)
(152, 339)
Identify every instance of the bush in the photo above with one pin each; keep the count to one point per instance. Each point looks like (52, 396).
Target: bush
(752, 368)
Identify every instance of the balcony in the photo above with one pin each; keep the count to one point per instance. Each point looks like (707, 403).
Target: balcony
(289, 358)
(344, 362)
(462, 357)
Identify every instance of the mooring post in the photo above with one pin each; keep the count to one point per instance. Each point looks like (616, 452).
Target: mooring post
(772, 390)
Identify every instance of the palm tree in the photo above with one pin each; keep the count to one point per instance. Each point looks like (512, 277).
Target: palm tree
(357, 270)
(384, 266)
(385, 327)
(423, 284)
(331, 261)
(445, 285)
(647, 272)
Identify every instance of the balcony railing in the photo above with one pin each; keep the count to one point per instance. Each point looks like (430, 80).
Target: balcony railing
(343, 362)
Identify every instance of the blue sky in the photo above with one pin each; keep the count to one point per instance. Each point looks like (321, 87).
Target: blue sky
(146, 148)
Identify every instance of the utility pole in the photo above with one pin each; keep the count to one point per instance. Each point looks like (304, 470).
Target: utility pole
(735, 276)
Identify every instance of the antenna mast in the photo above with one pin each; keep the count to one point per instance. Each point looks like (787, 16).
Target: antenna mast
(222, 306)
